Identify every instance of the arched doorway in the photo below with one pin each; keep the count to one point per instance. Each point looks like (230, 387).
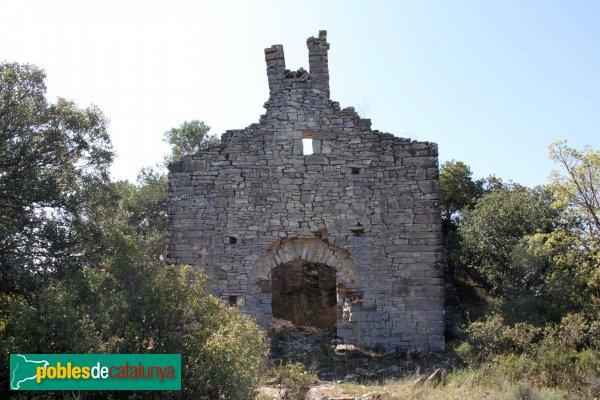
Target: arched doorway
(332, 265)
(305, 294)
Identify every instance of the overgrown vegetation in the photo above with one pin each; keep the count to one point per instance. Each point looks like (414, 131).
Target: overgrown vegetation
(82, 258)
(459, 385)
(526, 263)
(293, 380)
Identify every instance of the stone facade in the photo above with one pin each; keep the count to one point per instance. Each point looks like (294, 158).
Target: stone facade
(365, 203)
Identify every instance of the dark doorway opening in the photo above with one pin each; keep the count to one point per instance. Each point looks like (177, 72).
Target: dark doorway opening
(305, 294)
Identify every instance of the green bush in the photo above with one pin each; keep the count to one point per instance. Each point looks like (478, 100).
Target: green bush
(493, 337)
(561, 355)
(575, 332)
(523, 390)
(227, 363)
(576, 372)
(294, 380)
(512, 367)
(165, 311)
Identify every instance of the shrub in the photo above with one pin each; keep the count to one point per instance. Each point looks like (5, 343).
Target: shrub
(512, 367)
(574, 332)
(561, 355)
(294, 380)
(229, 363)
(493, 337)
(165, 311)
(523, 390)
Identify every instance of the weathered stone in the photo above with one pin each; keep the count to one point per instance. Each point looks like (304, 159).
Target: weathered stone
(436, 376)
(365, 204)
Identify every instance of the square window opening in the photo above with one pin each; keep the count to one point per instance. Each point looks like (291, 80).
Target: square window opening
(307, 147)
(307, 143)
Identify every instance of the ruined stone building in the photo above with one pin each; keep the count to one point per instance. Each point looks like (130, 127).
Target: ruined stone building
(348, 237)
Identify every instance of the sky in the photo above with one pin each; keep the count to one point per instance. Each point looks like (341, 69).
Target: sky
(492, 82)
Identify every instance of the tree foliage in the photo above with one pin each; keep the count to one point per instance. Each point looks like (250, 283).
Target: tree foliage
(127, 300)
(83, 258)
(458, 194)
(189, 138)
(51, 157)
(493, 233)
(574, 248)
(564, 354)
(536, 260)
(457, 188)
(142, 208)
(529, 253)
(577, 184)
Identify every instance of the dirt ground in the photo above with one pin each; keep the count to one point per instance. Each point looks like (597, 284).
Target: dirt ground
(337, 363)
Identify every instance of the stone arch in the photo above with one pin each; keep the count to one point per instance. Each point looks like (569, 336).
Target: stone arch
(307, 250)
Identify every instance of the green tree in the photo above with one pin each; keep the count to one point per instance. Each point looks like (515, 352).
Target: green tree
(52, 156)
(457, 188)
(574, 248)
(494, 233)
(458, 193)
(128, 300)
(83, 258)
(577, 184)
(189, 138)
(143, 209)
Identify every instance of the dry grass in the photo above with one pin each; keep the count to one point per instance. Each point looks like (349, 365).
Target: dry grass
(462, 385)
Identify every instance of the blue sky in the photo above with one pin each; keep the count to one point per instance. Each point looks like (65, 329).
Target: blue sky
(492, 82)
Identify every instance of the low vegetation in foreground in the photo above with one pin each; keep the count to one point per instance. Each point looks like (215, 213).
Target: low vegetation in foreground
(462, 385)
(493, 368)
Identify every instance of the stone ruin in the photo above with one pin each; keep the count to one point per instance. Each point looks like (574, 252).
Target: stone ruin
(311, 216)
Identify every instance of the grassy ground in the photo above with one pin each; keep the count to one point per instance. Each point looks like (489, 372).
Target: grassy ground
(461, 385)
(360, 373)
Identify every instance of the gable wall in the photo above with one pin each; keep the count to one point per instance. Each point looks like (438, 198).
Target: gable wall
(380, 228)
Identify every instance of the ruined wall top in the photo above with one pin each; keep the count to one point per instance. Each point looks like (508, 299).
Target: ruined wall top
(316, 78)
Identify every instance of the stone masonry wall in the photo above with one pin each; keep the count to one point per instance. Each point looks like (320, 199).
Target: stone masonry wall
(365, 203)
